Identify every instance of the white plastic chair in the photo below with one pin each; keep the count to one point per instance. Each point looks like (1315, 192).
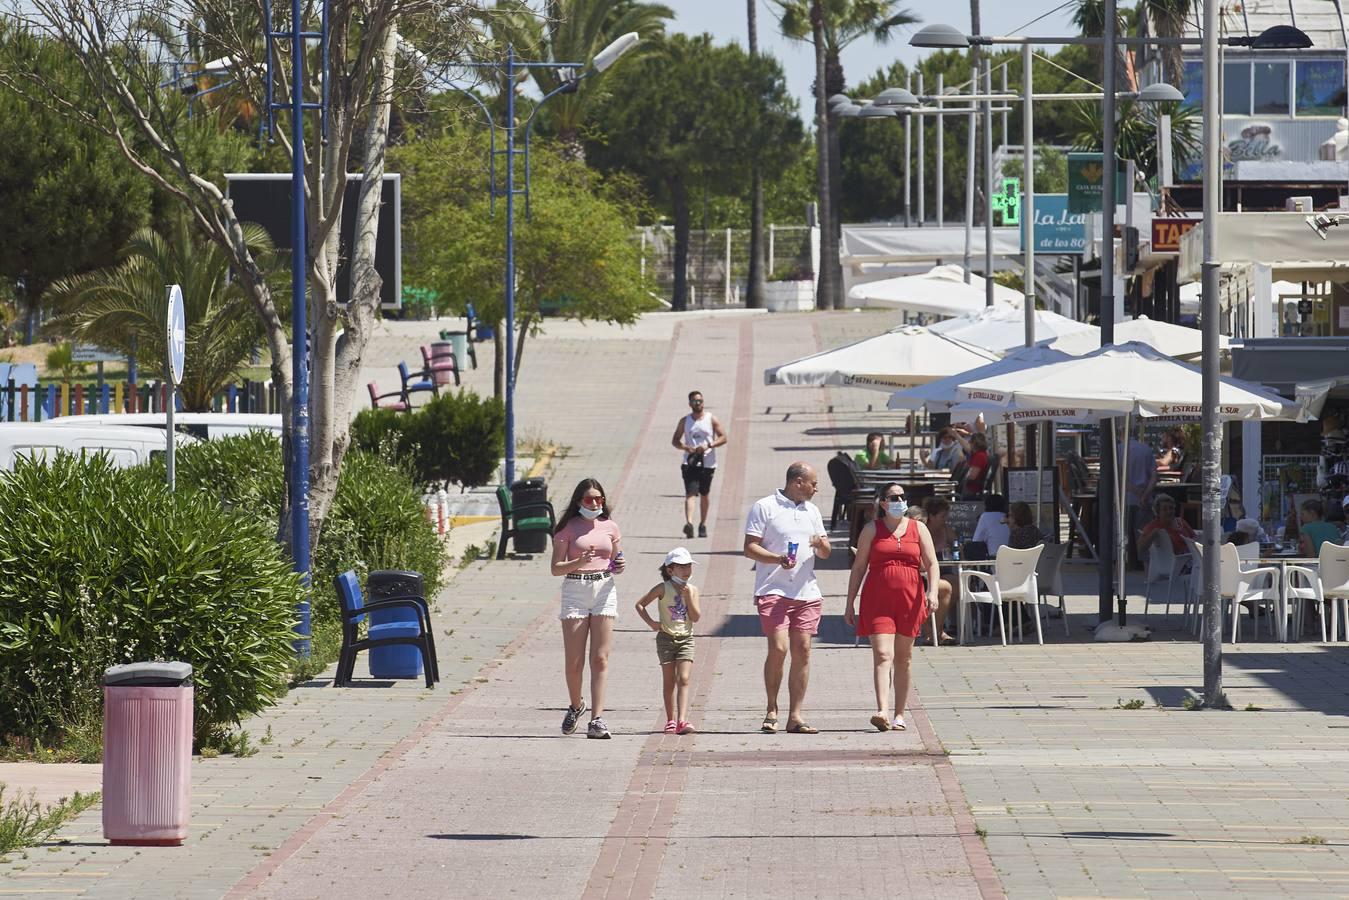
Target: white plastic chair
(1237, 585)
(1164, 565)
(1013, 579)
(1049, 577)
(1328, 583)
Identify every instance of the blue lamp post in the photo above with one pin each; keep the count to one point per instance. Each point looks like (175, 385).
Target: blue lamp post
(510, 68)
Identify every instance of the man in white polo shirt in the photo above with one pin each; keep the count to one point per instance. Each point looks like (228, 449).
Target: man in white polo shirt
(785, 590)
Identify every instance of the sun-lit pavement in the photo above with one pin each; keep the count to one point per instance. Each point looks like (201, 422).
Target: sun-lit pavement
(1021, 772)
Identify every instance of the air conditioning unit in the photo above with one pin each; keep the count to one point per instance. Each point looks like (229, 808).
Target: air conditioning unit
(1299, 205)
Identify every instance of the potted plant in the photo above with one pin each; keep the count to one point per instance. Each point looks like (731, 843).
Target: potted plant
(790, 288)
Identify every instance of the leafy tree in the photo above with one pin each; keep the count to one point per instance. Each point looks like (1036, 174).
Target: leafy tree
(123, 307)
(71, 198)
(573, 31)
(832, 25)
(1136, 132)
(691, 117)
(574, 249)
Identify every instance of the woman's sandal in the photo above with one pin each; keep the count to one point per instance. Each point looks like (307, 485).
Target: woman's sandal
(770, 724)
(881, 723)
(671, 726)
(801, 728)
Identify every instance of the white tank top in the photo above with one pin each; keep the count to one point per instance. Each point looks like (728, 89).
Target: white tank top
(698, 433)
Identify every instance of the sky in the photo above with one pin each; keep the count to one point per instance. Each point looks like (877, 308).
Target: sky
(725, 20)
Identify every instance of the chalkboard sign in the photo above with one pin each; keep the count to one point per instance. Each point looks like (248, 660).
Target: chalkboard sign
(964, 515)
(1019, 486)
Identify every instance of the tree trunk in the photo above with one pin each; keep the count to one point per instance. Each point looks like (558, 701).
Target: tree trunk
(679, 196)
(523, 327)
(754, 293)
(834, 84)
(498, 364)
(827, 286)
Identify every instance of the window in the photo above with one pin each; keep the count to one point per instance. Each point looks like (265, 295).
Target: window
(1192, 84)
(1271, 88)
(1237, 89)
(1320, 88)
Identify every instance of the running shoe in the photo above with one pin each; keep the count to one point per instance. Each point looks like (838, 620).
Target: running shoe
(686, 728)
(572, 717)
(702, 531)
(688, 529)
(598, 729)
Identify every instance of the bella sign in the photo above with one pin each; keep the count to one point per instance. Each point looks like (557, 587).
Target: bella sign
(1166, 233)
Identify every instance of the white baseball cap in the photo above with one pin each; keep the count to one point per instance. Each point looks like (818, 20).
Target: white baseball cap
(679, 557)
(1249, 526)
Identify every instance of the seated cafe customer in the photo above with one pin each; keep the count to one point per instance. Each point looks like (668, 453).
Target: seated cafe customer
(948, 453)
(992, 527)
(1023, 534)
(874, 456)
(1315, 532)
(1165, 522)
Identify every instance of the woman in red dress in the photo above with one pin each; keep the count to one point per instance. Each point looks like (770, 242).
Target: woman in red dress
(893, 553)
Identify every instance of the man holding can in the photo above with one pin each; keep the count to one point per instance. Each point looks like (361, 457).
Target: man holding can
(784, 535)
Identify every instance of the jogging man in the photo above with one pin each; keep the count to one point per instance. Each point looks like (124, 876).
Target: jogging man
(698, 434)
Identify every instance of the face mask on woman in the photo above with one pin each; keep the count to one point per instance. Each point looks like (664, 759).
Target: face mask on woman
(896, 508)
(591, 513)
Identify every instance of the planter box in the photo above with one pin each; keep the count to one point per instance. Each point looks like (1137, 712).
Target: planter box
(789, 296)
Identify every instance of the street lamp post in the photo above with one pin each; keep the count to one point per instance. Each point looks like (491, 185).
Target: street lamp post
(511, 68)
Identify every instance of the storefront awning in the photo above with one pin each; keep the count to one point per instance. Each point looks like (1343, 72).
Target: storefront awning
(1282, 241)
(1285, 363)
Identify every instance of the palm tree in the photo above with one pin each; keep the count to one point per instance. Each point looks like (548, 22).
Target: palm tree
(1089, 17)
(123, 307)
(1136, 135)
(843, 22)
(1169, 18)
(572, 31)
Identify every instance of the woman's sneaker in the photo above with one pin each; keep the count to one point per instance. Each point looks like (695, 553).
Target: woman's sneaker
(598, 729)
(572, 717)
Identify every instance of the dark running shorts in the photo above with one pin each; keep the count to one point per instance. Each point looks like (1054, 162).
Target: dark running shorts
(697, 480)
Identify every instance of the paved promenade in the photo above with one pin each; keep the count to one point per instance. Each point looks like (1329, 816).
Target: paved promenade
(1019, 773)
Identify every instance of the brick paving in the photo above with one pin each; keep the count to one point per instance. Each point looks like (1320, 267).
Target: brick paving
(1019, 773)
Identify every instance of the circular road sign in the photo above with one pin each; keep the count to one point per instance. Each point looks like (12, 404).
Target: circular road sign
(177, 333)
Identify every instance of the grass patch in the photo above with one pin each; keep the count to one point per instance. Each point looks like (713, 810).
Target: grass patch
(1128, 704)
(26, 823)
(1313, 840)
(1251, 707)
(474, 552)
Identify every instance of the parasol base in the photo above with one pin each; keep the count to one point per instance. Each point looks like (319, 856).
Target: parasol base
(1114, 632)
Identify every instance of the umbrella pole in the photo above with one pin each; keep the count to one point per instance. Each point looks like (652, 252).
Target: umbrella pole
(1123, 516)
(1039, 473)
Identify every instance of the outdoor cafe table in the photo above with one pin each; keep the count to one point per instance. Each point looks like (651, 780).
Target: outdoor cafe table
(1282, 562)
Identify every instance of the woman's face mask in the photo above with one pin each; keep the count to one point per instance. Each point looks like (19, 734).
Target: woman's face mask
(590, 513)
(896, 508)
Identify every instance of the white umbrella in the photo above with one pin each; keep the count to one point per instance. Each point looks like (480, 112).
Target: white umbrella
(941, 394)
(942, 291)
(1125, 379)
(1171, 340)
(899, 358)
(1002, 327)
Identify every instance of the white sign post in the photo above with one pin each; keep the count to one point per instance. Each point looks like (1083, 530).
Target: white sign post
(176, 350)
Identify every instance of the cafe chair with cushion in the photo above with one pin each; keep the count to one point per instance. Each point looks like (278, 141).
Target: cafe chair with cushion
(1011, 581)
(1049, 577)
(1328, 583)
(1164, 565)
(415, 632)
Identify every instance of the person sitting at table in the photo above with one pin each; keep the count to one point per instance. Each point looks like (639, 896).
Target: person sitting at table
(1335, 516)
(976, 467)
(992, 527)
(874, 456)
(936, 510)
(1165, 522)
(1315, 532)
(1172, 457)
(1023, 534)
(948, 453)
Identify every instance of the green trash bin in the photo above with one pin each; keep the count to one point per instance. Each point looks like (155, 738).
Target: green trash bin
(459, 344)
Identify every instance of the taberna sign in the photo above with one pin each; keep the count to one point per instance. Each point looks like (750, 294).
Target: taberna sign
(1166, 233)
(1057, 229)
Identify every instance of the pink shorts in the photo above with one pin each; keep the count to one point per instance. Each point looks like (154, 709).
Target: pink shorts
(777, 612)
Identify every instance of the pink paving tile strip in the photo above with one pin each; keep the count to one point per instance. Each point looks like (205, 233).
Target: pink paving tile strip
(335, 808)
(630, 858)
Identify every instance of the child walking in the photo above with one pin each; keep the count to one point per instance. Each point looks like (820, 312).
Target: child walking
(676, 601)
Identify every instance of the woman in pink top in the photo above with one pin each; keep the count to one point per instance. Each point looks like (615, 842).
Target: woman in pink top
(586, 552)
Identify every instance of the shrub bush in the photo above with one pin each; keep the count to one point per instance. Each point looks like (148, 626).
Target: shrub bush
(100, 566)
(456, 438)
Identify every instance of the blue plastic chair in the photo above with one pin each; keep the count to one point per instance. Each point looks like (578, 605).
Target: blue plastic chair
(413, 384)
(415, 632)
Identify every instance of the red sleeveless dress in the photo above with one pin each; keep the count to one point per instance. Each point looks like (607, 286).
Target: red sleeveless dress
(893, 601)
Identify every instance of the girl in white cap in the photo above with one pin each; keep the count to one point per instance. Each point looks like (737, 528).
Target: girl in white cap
(676, 600)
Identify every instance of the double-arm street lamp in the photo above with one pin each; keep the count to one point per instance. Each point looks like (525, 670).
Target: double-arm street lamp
(510, 69)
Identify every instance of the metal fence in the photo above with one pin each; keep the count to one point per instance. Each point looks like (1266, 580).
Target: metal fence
(39, 402)
(718, 261)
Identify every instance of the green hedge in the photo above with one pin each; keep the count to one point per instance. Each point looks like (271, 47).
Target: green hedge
(457, 438)
(100, 566)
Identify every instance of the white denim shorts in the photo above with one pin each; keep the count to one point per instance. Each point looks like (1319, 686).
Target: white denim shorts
(588, 598)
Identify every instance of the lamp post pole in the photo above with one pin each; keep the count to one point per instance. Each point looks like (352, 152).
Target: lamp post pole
(908, 160)
(988, 184)
(1212, 448)
(970, 129)
(941, 152)
(922, 162)
(1028, 182)
(1106, 491)
(299, 326)
(510, 265)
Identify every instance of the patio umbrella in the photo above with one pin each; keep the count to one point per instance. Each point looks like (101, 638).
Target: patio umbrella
(1171, 340)
(1002, 327)
(1125, 380)
(942, 291)
(899, 358)
(941, 394)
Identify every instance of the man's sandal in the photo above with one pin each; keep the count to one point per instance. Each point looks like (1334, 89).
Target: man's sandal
(801, 728)
(770, 724)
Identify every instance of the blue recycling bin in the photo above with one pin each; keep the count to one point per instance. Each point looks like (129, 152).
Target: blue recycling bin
(397, 660)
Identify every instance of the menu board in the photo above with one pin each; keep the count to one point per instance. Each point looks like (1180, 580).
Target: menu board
(964, 515)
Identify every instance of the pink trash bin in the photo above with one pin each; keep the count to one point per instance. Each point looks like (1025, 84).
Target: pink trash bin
(147, 753)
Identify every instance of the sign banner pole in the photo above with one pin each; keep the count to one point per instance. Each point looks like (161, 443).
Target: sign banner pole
(175, 349)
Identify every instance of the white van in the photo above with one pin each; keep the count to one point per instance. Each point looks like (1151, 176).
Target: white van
(210, 426)
(126, 447)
